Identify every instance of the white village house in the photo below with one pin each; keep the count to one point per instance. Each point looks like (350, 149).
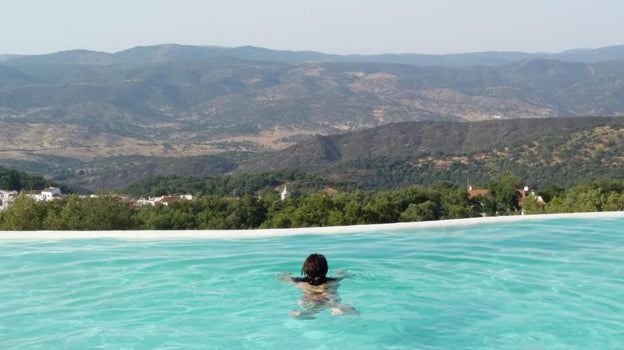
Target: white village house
(8, 196)
(49, 194)
(284, 194)
(163, 200)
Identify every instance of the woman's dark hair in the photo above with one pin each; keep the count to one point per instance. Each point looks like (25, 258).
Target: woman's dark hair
(315, 269)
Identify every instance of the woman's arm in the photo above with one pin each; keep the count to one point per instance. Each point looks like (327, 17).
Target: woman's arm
(340, 275)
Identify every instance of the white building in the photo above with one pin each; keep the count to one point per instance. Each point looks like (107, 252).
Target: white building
(164, 200)
(6, 198)
(284, 193)
(47, 194)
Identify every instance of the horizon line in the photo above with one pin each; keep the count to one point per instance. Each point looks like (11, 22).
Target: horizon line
(114, 52)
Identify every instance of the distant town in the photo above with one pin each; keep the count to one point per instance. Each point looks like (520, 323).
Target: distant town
(7, 197)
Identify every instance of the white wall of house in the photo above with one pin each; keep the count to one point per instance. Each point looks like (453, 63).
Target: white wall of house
(49, 194)
(6, 198)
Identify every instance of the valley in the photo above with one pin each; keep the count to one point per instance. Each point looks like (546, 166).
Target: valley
(90, 117)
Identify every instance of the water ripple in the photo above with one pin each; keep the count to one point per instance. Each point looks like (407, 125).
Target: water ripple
(551, 284)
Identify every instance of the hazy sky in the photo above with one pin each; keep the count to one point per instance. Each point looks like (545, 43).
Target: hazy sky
(330, 26)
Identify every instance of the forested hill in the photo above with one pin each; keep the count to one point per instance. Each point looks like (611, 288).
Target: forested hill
(411, 139)
(541, 151)
(11, 179)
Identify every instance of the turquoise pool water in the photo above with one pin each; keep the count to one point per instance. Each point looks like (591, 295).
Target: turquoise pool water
(545, 284)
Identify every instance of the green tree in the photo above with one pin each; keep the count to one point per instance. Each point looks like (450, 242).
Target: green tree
(91, 213)
(589, 201)
(551, 192)
(314, 210)
(505, 194)
(420, 212)
(454, 203)
(14, 181)
(352, 208)
(25, 214)
(153, 218)
(532, 206)
(246, 213)
(614, 202)
(212, 212)
(280, 213)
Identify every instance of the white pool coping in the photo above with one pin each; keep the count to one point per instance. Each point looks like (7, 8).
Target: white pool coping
(265, 233)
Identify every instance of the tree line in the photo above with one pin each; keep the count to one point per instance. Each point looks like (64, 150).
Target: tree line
(11, 179)
(264, 209)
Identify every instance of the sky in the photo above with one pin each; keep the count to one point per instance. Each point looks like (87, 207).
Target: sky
(328, 26)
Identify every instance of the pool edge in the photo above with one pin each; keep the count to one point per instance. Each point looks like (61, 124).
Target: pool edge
(264, 233)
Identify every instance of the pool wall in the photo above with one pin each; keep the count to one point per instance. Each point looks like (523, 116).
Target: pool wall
(260, 233)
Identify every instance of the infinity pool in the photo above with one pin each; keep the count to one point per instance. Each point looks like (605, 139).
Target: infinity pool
(552, 283)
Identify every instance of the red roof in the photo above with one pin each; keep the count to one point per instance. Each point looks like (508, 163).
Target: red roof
(477, 192)
(169, 199)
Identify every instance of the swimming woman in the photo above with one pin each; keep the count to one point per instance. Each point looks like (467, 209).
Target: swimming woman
(319, 291)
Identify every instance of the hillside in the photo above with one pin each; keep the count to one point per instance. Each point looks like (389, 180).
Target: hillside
(413, 139)
(543, 153)
(562, 151)
(65, 114)
(547, 151)
(557, 159)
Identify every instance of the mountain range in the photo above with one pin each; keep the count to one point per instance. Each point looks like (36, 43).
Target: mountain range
(77, 113)
(174, 52)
